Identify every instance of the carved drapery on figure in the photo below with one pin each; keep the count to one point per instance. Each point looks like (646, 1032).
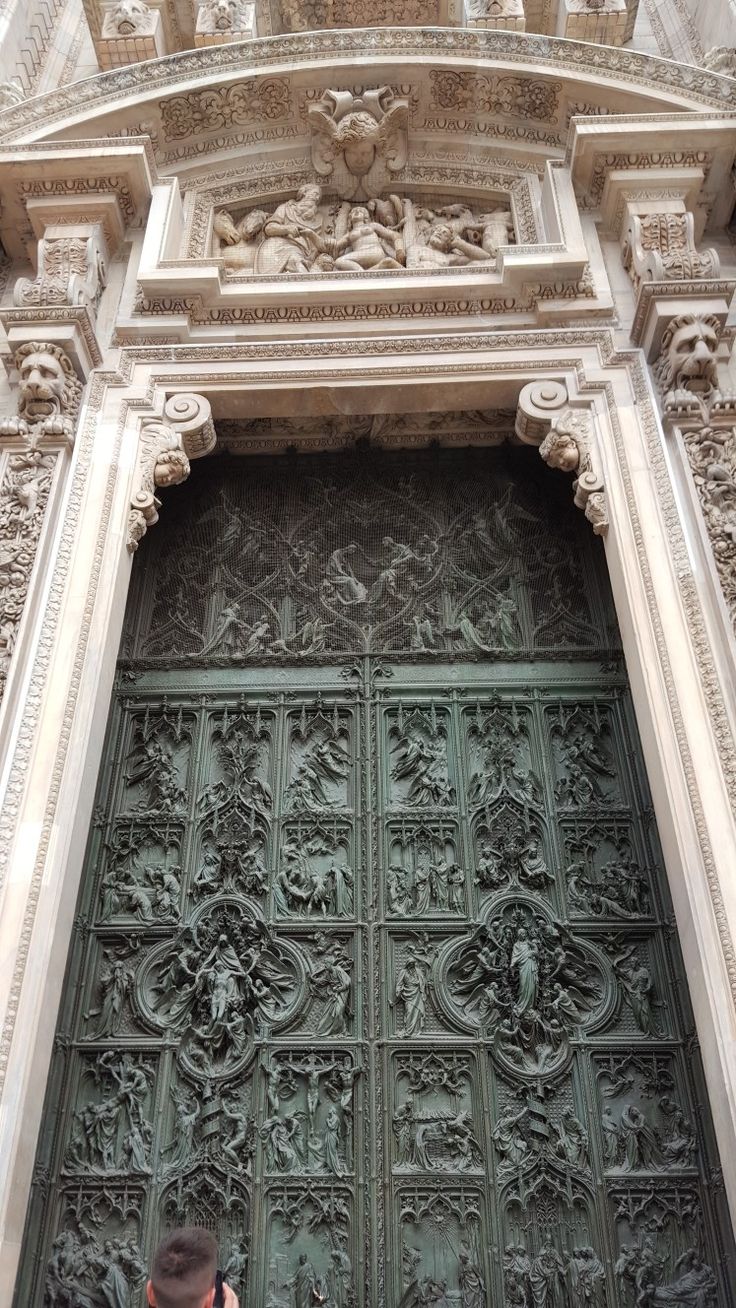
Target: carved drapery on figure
(48, 403)
(565, 437)
(307, 235)
(165, 448)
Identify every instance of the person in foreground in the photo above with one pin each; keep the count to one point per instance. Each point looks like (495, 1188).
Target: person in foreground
(184, 1272)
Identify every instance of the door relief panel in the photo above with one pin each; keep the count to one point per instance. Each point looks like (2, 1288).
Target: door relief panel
(374, 970)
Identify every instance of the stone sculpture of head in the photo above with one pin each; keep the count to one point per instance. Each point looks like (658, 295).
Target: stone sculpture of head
(129, 16)
(687, 359)
(49, 386)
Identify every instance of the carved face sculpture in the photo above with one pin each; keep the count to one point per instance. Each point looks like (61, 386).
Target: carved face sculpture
(223, 14)
(359, 216)
(563, 453)
(689, 349)
(440, 238)
(308, 199)
(129, 15)
(42, 386)
(172, 467)
(356, 136)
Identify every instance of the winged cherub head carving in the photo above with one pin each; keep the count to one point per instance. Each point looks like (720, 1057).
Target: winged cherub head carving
(358, 142)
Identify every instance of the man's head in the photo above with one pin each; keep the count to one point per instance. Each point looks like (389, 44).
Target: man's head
(183, 1271)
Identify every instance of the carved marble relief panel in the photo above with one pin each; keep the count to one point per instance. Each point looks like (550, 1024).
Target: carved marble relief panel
(374, 971)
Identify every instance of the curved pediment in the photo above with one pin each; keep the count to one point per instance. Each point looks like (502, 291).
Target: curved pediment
(510, 92)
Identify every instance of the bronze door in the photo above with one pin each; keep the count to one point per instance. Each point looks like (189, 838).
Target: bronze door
(374, 970)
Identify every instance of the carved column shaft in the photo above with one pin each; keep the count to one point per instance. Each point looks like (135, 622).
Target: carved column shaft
(48, 402)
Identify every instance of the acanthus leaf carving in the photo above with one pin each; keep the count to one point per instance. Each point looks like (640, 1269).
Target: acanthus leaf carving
(71, 270)
(48, 403)
(661, 247)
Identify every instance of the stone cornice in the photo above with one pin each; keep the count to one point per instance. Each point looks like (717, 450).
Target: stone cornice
(668, 85)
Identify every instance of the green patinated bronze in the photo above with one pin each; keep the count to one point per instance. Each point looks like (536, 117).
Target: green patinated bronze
(374, 970)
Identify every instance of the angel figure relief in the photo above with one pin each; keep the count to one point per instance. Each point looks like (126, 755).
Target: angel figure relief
(358, 142)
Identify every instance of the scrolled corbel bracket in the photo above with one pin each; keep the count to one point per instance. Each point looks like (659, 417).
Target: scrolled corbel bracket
(166, 445)
(566, 439)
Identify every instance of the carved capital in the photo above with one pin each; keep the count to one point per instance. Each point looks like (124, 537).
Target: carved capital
(166, 445)
(566, 440)
(71, 269)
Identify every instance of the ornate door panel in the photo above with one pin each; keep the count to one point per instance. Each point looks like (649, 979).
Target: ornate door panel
(375, 970)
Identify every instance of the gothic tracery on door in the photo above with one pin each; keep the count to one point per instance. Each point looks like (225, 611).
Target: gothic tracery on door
(374, 969)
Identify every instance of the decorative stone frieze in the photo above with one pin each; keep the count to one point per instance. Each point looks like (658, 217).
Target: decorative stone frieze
(359, 142)
(566, 440)
(165, 448)
(224, 20)
(711, 453)
(307, 235)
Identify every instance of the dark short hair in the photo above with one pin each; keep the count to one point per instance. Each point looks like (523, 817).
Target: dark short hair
(184, 1267)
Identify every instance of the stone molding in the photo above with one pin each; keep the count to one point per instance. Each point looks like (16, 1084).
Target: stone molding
(678, 86)
(105, 182)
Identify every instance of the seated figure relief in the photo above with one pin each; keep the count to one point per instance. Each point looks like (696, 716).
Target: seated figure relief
(309, 234)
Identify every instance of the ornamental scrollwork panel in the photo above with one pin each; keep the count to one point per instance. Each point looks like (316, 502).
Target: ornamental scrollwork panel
(374, 970)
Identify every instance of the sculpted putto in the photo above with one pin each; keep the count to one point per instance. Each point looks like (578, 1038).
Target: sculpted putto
(359, 142)
(305, 235)
(49, 391)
